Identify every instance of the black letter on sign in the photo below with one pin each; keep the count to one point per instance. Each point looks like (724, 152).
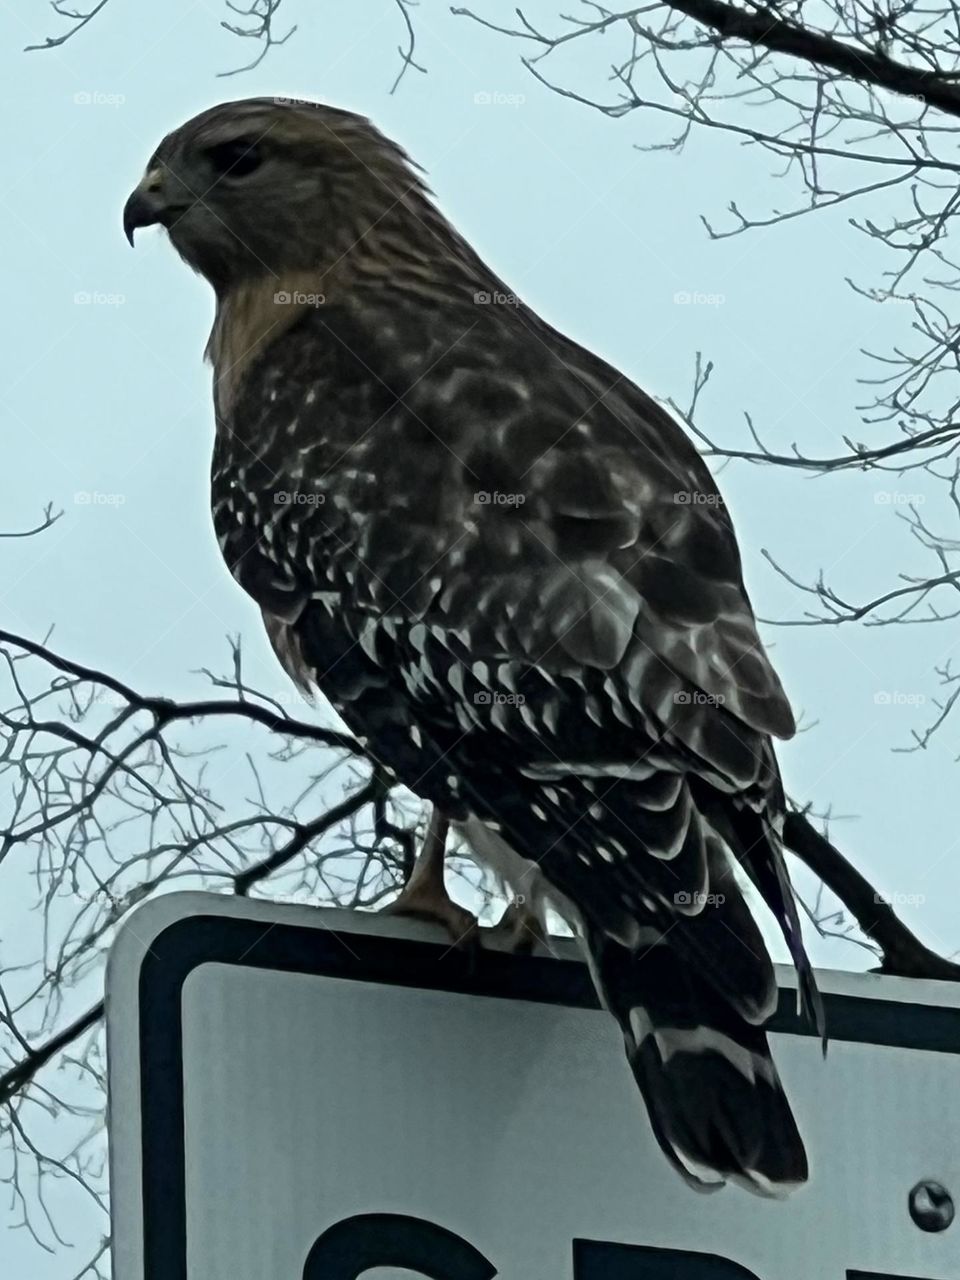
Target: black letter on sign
(356, 1245)
(597, 1260)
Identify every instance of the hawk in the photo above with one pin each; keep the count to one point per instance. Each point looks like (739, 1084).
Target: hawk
(510, 572)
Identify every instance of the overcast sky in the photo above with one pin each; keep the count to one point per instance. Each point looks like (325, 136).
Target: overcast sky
(106, 400)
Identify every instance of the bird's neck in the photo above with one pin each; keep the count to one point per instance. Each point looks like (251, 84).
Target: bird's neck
(251, 315)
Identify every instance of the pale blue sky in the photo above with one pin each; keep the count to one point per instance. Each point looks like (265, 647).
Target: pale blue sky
(110, 397)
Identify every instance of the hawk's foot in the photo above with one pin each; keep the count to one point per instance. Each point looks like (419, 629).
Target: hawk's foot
(519, 931)
(425, 901)
(425, 897)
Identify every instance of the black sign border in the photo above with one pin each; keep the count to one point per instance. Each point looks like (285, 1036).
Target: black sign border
(367, 957)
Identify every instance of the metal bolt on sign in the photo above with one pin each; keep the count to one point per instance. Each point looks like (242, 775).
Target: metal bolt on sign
(931, 1206)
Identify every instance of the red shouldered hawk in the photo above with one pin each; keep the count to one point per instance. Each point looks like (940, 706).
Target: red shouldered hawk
(510, 572)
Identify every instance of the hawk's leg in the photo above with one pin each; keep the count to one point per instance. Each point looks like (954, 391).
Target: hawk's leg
(425, 896)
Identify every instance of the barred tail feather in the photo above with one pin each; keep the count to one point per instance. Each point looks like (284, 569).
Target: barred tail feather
(712, 1092)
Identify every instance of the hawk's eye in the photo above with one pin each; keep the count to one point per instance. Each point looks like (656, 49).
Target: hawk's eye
(235, 159)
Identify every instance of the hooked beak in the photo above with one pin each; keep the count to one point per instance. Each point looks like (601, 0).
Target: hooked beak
(147, 205)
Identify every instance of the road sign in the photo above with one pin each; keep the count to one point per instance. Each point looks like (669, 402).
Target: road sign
(299, 1094)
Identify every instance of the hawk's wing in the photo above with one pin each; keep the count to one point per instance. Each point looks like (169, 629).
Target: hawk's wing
(561, 518)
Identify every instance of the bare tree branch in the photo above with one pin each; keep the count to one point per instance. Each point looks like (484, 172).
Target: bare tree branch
(407, 50)
(76, 16)
(17, 1077)
(261, 14)
(50, 517)
(902, 953)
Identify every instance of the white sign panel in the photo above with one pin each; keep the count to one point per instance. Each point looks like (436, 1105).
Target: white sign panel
(322, 1095)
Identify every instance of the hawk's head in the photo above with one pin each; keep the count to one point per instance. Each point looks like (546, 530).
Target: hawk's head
(265, 186)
